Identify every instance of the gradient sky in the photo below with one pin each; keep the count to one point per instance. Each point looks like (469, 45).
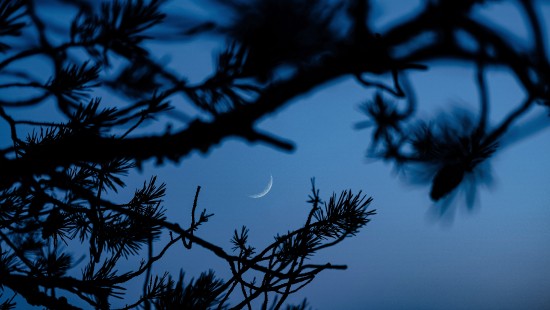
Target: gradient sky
(496, 256)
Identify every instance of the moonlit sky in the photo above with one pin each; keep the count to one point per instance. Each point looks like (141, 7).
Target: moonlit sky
(496, 256)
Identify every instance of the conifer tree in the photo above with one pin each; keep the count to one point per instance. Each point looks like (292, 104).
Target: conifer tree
(59, 177)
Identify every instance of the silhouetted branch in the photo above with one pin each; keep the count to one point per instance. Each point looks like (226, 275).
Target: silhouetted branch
(501, 129)
(483, 99)
(53, 183)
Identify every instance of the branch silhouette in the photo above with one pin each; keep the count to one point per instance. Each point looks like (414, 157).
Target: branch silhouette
(56, 173)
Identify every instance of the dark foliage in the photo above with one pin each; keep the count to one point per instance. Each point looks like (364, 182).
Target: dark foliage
(57, 182)
(452, 149)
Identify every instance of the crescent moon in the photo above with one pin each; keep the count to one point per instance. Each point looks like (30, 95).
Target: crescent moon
(266, 189)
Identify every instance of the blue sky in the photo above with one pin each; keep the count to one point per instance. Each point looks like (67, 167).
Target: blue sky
(495, 256)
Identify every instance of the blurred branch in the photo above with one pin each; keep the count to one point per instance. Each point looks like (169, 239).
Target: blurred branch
(52, 182)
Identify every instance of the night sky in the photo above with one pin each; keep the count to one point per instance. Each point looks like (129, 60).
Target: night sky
(495, 255)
